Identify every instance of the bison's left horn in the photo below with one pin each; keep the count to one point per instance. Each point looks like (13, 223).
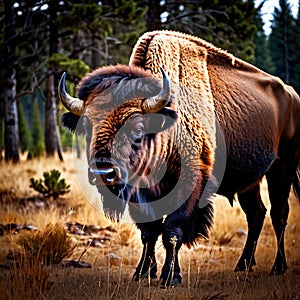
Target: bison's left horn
(74, 105)
(155, 104)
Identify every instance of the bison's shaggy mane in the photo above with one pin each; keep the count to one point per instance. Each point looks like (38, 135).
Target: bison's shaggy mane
(121, 81)
(139, 53)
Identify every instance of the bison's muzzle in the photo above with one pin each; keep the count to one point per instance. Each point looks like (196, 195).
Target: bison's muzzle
(110, 181)
(103, 173)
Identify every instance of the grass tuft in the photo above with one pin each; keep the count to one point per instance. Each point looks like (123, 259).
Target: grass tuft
(36, 252)
(49, 246)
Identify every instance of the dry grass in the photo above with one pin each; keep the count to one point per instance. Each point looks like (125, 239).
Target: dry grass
(206, 269)
(49, 246)
(31, 261)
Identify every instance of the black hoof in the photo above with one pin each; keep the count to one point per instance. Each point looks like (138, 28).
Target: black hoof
(281, 270)
(165, 283)
(244, 266)
(138, 276)
(243, 269)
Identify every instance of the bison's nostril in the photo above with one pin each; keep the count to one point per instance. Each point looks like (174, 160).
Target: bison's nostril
(102, 172)
(113, 175)
(109, 175)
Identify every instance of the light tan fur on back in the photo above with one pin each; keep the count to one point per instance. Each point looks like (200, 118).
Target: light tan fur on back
(184, 58)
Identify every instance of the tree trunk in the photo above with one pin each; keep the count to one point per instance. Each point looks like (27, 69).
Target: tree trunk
(2, 122)
(11, 131)
(96, 58)
(11, 135)
(52, 136)
(153, 21)
(50, 118)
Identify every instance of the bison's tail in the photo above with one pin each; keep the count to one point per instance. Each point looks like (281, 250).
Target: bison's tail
(296, 183)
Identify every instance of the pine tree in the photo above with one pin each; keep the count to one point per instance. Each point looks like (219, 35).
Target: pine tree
(38, 146)
(281, 41)
(235, 27)
(227, 24)
(24, 131)
(52, 137)
(262, 53)
(295, 55)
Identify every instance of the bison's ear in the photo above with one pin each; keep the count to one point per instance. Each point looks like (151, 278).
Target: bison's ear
(73, 123)
(162, 120)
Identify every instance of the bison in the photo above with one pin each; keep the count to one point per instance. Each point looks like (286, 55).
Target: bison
(215, 124)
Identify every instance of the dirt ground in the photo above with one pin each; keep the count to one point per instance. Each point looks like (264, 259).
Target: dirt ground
(112, 251)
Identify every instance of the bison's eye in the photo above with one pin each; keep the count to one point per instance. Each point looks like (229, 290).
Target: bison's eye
(137, 132)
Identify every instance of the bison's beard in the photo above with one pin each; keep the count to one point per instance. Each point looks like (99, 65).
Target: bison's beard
(115, 199)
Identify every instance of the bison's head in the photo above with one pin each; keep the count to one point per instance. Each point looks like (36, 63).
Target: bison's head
(121, 109)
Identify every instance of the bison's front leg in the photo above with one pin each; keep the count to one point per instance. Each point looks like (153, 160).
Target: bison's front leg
(147, 265)
(172, 240)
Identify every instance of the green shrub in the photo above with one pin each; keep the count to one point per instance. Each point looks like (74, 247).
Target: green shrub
(51, 185)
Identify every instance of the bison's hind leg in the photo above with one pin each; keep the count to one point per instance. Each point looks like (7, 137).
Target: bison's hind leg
(280, 179)
(255, 211)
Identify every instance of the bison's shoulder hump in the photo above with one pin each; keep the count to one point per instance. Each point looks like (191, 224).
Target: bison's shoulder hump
(139, 53)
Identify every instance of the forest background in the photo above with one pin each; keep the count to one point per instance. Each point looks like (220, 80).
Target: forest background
(41, 39)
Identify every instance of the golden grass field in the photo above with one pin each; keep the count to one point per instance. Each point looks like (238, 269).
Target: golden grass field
(207, 270)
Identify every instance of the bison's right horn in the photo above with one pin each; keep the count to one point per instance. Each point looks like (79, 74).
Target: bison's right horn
(155, 104)
(74, 105)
